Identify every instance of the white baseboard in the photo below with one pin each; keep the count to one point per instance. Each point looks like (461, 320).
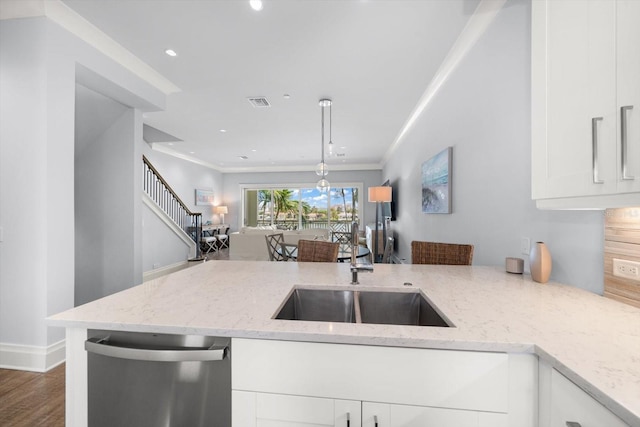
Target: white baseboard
(30, 357)
(162, 271)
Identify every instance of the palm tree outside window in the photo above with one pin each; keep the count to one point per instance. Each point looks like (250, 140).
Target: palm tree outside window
(301, 207)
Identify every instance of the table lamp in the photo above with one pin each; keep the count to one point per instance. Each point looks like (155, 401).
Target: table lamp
(221, 210)
(379, 195)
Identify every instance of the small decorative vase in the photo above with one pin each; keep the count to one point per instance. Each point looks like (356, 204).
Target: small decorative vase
(540, 262)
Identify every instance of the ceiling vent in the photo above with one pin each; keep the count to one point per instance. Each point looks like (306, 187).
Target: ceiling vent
(259, 102)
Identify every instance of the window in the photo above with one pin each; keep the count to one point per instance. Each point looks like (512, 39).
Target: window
(294, 207)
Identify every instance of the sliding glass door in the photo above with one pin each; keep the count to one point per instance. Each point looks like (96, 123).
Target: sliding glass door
(300, 207)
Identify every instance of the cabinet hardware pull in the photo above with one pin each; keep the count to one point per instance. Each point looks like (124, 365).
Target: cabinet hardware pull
(623, 141)
(594, 149)
(573, 424)
(375, 421)
(348, 419)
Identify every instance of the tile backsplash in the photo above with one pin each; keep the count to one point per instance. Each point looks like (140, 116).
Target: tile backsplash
(621, 241)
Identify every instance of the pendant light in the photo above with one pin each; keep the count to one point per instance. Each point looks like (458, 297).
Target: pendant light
(321, 169)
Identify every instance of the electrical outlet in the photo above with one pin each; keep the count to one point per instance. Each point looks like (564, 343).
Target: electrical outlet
(626, 269)
(525, 245)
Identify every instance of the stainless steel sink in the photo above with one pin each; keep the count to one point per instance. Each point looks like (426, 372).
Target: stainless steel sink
(320, 305)
(378, 307)
(398, 308)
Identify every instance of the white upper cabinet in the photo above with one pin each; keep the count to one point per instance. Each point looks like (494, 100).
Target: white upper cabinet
(628, 93)
(585, 103)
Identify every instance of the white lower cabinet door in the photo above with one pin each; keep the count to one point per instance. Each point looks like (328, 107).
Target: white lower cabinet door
(390, 415)
(569, 404)
(252, 409)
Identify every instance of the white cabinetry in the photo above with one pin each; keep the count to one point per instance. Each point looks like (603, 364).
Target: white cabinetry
(251, 409)
(562, 403)
(387, 415)
(585, 103)
(458, 387)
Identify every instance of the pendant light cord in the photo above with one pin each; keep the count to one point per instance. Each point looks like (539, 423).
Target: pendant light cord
(322, 144)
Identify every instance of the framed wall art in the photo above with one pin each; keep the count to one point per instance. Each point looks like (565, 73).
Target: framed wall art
(204, 197)
(436, 183)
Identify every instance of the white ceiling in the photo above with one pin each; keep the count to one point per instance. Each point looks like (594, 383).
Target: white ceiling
(373, 58)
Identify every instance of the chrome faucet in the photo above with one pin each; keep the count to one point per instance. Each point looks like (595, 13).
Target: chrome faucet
(355, 266)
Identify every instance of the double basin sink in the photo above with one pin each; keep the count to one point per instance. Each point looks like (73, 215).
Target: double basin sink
(356, 306)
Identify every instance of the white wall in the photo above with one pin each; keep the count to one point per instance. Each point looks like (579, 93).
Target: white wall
(233, 194)
(483, 111)
(38, 62)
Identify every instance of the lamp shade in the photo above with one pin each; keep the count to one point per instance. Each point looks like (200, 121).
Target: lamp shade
(222, 210)
(380, 194)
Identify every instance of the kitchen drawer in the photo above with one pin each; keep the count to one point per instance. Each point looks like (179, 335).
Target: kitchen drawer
(424, 377)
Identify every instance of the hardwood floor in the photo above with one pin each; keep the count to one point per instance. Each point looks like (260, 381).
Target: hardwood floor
(30, 399)
(221, 254)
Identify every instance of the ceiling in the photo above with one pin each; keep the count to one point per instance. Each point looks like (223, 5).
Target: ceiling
(373, 58)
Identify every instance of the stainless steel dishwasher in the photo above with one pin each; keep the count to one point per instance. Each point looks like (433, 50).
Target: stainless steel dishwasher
(139, 379)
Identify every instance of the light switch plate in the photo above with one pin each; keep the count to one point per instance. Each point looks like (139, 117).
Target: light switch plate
(525, 245)
(626, 269)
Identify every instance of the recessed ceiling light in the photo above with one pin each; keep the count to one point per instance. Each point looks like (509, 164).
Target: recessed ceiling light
(171, 143)
(171, 52)
(243, 157)
(254, 150)
(255, 4)
(286, 96)
(192, 152)
(223, 130)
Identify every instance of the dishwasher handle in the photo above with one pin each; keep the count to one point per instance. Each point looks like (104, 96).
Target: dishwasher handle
(103, 347)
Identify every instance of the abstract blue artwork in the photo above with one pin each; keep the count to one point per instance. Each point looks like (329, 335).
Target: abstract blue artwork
(436, 183)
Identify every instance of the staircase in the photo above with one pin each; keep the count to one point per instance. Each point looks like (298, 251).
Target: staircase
(166, 200)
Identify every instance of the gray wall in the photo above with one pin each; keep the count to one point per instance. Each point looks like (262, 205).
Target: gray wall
(483, 112)
(184, 177)
(161, 246)
(37, 82)
(233, 194)
(105, 193)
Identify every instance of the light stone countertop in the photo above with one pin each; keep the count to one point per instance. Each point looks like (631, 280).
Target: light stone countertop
(592, 340)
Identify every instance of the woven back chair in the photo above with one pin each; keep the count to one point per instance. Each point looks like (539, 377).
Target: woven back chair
(441, 253)
(317, 251)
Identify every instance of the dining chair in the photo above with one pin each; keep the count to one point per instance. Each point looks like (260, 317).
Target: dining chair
(274, 243)
(343, 238)
(209, 243)
(388, 250)
(317, 251)
(441, 253)
(223, 238)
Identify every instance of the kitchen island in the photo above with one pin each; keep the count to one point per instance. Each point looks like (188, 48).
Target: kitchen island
(592, 341)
